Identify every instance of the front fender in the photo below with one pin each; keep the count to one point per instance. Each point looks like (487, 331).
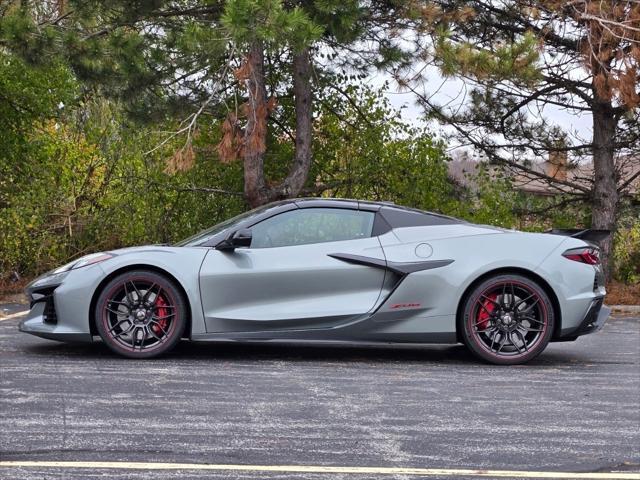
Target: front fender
(181, 263)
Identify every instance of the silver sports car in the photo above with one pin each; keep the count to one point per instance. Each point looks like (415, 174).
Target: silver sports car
(332, 270)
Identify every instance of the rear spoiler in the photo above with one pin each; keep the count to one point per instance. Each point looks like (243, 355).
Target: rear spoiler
(587, 234)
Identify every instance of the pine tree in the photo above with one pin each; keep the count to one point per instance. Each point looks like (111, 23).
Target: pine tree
(181, 59)
(519, 58)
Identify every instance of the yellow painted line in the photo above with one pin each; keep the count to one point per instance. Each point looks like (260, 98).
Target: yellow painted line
(450, 472)
(13, 315)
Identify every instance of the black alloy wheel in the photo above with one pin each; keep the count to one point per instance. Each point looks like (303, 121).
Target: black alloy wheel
(140, 314)
(507, 320)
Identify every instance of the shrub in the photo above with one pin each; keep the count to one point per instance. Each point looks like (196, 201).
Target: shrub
(626, 255)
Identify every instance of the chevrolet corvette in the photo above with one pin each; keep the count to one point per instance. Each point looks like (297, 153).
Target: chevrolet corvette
(332, 270)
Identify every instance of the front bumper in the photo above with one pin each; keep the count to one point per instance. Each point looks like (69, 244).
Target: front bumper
(37, 324)
(60, 305)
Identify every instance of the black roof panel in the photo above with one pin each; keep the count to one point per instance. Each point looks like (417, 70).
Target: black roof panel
(399, 217)
(404, 216)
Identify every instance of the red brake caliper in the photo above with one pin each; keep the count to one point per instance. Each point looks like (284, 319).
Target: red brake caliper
(162, 314)
(485, 311)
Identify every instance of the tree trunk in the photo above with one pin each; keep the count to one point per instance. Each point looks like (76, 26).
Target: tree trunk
(255, 134)
(256, 191)
(304, 118)
(605, 194)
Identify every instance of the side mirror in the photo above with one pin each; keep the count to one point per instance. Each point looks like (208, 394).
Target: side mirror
(238, 239)
(242, 238)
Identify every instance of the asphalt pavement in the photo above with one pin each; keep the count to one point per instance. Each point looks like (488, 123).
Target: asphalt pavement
(574, 409)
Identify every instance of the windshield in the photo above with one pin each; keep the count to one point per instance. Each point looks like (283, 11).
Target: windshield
(228, 224)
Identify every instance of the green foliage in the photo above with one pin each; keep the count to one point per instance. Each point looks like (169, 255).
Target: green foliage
(515, 61)
(93, 189)
(626, 252)
(342, 19)
(28, 94)
(493, 200)
(269, 21)
(365, 150)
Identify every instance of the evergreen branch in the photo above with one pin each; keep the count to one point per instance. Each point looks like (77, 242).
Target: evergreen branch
(526, 25)
(57, 20)
(534, 96)
(547, 148)
(563, 203)
(495, 158)
(572, 86)
(211, 9)
(629, 181)
(193, 118)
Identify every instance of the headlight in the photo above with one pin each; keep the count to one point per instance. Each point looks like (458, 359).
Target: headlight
(84, 261)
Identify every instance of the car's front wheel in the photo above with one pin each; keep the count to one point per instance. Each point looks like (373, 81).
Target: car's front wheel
(507, 319)
(140, 314)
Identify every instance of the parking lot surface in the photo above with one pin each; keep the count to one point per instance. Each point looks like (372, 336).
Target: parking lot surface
(575, 409)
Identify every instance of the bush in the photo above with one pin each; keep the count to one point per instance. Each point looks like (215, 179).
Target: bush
(626, 255)
(86, 187)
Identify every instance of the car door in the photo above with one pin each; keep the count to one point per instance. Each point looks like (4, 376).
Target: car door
(287, 280)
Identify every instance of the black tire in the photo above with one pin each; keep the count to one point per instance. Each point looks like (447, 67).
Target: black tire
(507, 319)
(140, 314)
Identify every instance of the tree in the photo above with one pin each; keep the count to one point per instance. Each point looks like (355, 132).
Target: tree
(519, 60)
(31, 99)
(293, 35)
(380, 158)
(254, 25)
(237, 60)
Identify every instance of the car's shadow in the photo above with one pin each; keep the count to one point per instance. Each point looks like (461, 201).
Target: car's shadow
(303, 352)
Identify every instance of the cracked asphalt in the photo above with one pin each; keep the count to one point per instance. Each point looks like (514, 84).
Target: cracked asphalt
(575, 408)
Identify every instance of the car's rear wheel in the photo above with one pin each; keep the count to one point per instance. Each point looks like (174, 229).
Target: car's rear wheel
(507, 320)
(140, 314)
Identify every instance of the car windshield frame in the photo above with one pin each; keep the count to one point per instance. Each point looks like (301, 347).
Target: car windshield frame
(205, 235)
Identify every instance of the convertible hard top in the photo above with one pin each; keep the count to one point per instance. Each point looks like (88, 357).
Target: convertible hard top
(395, 215)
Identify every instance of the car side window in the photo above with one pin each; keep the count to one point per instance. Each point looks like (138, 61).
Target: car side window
(312, 225)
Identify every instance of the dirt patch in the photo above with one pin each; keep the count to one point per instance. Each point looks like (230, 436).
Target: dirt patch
(13, 292)
(13, 298)
(621, 294)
